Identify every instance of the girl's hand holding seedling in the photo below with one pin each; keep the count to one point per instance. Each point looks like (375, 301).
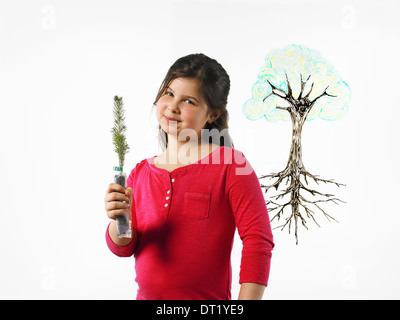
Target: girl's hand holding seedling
(117, 201)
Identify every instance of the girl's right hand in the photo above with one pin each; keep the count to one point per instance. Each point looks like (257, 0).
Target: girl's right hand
(117, 200)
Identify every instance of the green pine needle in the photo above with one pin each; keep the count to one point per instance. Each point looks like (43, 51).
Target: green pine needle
(118, 131)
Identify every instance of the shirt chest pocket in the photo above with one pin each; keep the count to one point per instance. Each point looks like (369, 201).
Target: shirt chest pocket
(196, 205)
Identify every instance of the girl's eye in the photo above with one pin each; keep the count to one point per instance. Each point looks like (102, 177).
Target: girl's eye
(169, 93)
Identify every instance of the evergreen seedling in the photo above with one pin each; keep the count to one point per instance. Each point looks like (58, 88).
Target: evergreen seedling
(118, 131)
(121, 148)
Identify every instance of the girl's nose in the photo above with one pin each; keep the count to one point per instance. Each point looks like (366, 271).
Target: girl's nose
(173, 107)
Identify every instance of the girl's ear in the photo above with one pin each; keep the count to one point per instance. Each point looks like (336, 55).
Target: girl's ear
(215, 115)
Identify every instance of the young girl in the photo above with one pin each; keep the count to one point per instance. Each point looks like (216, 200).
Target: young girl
(184, 205)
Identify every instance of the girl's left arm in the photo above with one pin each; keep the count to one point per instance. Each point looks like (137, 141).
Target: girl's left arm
(251, 291)
(251, 218)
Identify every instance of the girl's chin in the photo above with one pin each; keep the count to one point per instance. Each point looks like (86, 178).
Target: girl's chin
(170, 128)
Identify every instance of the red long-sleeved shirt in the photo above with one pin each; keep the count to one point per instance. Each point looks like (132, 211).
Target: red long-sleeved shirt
(184, 223)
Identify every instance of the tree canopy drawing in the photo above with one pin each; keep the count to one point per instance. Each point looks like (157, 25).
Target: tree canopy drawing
(296, 83)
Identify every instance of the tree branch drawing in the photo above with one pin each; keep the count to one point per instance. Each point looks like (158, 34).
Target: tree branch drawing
(298, 84)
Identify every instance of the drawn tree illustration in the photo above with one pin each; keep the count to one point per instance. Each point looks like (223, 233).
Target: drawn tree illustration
(296, 83)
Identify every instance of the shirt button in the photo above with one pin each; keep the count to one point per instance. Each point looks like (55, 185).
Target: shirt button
(167, 198)
(168, 191)
(166, 205)
(173, 180)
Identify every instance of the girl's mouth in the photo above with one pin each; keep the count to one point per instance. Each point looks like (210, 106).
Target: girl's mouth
(171, 119)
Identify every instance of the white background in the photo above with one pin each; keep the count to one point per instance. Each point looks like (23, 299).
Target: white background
(61, 63)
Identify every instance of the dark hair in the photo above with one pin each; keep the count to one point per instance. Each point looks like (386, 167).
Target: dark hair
(214, 85)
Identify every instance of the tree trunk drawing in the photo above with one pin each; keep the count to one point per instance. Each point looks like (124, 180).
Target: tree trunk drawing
(298, 109)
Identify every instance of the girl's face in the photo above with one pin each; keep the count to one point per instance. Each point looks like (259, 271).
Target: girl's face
(182, 106)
